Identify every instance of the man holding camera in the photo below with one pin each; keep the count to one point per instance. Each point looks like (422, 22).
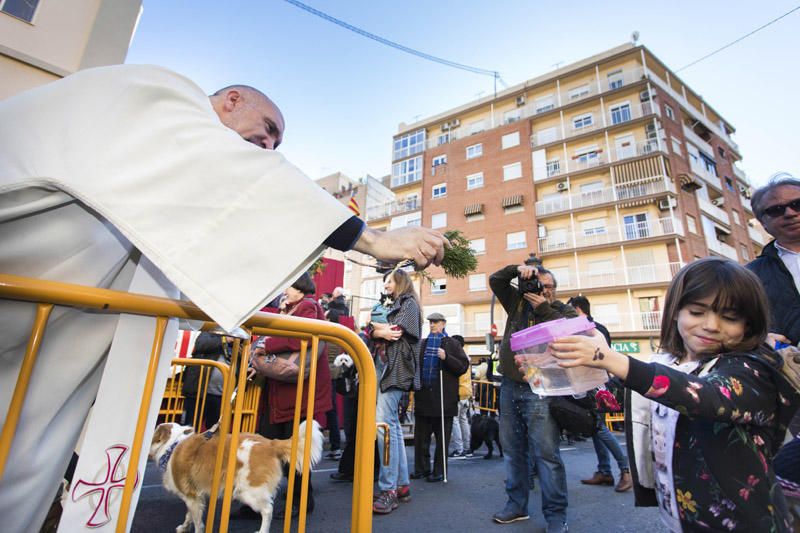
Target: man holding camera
(524, 414)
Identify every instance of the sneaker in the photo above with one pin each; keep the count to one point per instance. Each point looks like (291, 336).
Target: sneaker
(557, 527)
(334, 455)
(386, 502)
(469, 453)
(404, 493)
(456, 454)
(625, 482)
(506, 517)
(599, 479)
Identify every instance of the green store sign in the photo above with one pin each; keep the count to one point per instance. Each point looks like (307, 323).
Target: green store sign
(625, 346)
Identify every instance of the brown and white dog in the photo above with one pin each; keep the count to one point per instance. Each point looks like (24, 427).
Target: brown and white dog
(187, 460)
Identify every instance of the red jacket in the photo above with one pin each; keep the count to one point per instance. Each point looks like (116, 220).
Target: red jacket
(281, 395)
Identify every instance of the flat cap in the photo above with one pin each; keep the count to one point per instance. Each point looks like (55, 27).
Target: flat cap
(436, 317)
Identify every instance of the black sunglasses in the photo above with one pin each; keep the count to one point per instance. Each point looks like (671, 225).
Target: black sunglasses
(780, 209)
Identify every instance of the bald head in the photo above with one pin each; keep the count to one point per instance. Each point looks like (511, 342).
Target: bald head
(251, 114)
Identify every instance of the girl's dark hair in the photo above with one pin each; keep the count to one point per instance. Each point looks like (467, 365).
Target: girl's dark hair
(305, 284)
(733, 287)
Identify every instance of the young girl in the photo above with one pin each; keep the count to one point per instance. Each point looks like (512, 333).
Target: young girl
(718, 404)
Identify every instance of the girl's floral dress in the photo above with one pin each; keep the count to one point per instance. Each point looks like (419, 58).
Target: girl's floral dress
(732, 422)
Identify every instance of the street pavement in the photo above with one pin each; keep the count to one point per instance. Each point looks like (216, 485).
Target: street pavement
(465, 504)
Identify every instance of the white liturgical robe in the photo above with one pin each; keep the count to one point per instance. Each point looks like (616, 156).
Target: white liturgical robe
(96, 171)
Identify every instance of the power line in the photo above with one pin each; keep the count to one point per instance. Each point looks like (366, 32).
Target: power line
(387, 42)
(743, 37)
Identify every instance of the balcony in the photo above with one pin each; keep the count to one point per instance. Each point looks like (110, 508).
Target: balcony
(740, 174)
(626, 113)
(584, 162)
(628, 77)
(710, 209)
(720, 248)
(539, 140)
(626, 191)
(661, 273)
(392, 208)
(610, 235)
(696, 140)
(706, 175)
(643, 321)
(757, 236)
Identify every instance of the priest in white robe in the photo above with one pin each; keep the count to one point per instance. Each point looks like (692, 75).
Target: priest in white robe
(127, 172)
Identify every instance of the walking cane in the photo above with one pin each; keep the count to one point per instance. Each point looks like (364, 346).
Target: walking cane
(441, 406)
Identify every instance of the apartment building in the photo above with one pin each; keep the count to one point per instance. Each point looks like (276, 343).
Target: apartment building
(44, 41)
(611, 169)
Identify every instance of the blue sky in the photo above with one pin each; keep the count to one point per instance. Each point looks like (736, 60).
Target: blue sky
(344, 95)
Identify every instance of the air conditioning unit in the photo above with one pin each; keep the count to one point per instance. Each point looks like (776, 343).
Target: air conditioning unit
(644, 96)
(718, 201)
(521, 100)
(666, 203)
(455, 123)
(562, 186)
(445, 126)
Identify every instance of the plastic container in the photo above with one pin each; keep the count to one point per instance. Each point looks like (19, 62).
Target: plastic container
(541, 369)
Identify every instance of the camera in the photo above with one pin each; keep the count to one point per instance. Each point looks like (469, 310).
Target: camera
(532, 285)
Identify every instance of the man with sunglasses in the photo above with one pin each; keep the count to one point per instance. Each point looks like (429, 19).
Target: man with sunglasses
(777, 206)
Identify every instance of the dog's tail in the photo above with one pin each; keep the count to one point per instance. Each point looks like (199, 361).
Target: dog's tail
(316, 445)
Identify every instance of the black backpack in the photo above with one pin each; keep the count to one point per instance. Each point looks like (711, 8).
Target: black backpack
(574, 415)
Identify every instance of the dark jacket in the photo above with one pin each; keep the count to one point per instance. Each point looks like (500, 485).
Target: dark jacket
(520, 315)
(336, 308)
(732, 422)
(282, 396)
(400, 370)
(206, 346)
(455, 363)
(784, 300)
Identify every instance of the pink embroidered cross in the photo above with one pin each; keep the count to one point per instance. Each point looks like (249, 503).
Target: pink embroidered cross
(114, 479)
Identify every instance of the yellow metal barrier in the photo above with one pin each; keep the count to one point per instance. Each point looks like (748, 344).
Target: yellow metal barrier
(49, 293)
(485, 393)
(614, 417)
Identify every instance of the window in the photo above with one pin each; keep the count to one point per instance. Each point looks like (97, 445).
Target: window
(582, 121)
(676, 147)
(606, 314)
(547, 135)
(440, 190)
(745, 252)
(439, 286)
(22, 9)
(478, 246)
(371, 288)
(444, 138)
(512, 116)
(482, 323)
(729, 183)
(545, 103)
(439, 160)
(553, 168)
(509, 140)
(721, 151)
(515, 241)
(401, 221)
(439, 220)
(737, 217)
(669, 112)
(476, 150)
(562, 275)
(477, 282)
(477, 127)
(601, 272)
(595, 226)
(711, 166)
(620, 113)
(587, 156)
(512, 171)
(591, 187)
(407, 171)
(475, 181)
(578, 92)
(615, 80)
(409, 144)
(691, 224)
(636, 226)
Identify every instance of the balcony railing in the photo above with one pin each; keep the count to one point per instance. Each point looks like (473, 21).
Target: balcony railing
(626, 113)
(661, 273)
(757, 236)
(392, 208)
(626, 191)
(645, 321)
(698, 141)
(627, 77)
(706, 175)
(600, 236)
(721, 248)
(713, 210)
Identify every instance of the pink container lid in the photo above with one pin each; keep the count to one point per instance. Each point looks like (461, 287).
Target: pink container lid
(544, 333)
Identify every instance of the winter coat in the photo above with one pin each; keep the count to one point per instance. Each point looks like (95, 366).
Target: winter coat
(465, 383)
(784, 300)
(336, 308)
(732, 422)
(455, 363)
(206, 346)
(281, 396)
(401, 370)
(520, 315)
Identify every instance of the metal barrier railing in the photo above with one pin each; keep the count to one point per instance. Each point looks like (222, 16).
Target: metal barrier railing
(48, 293)
(485, 394)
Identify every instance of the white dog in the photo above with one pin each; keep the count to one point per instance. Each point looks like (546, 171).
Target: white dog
(187, 460)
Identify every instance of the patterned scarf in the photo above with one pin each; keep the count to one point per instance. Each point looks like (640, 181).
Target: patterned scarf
(431, 361)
